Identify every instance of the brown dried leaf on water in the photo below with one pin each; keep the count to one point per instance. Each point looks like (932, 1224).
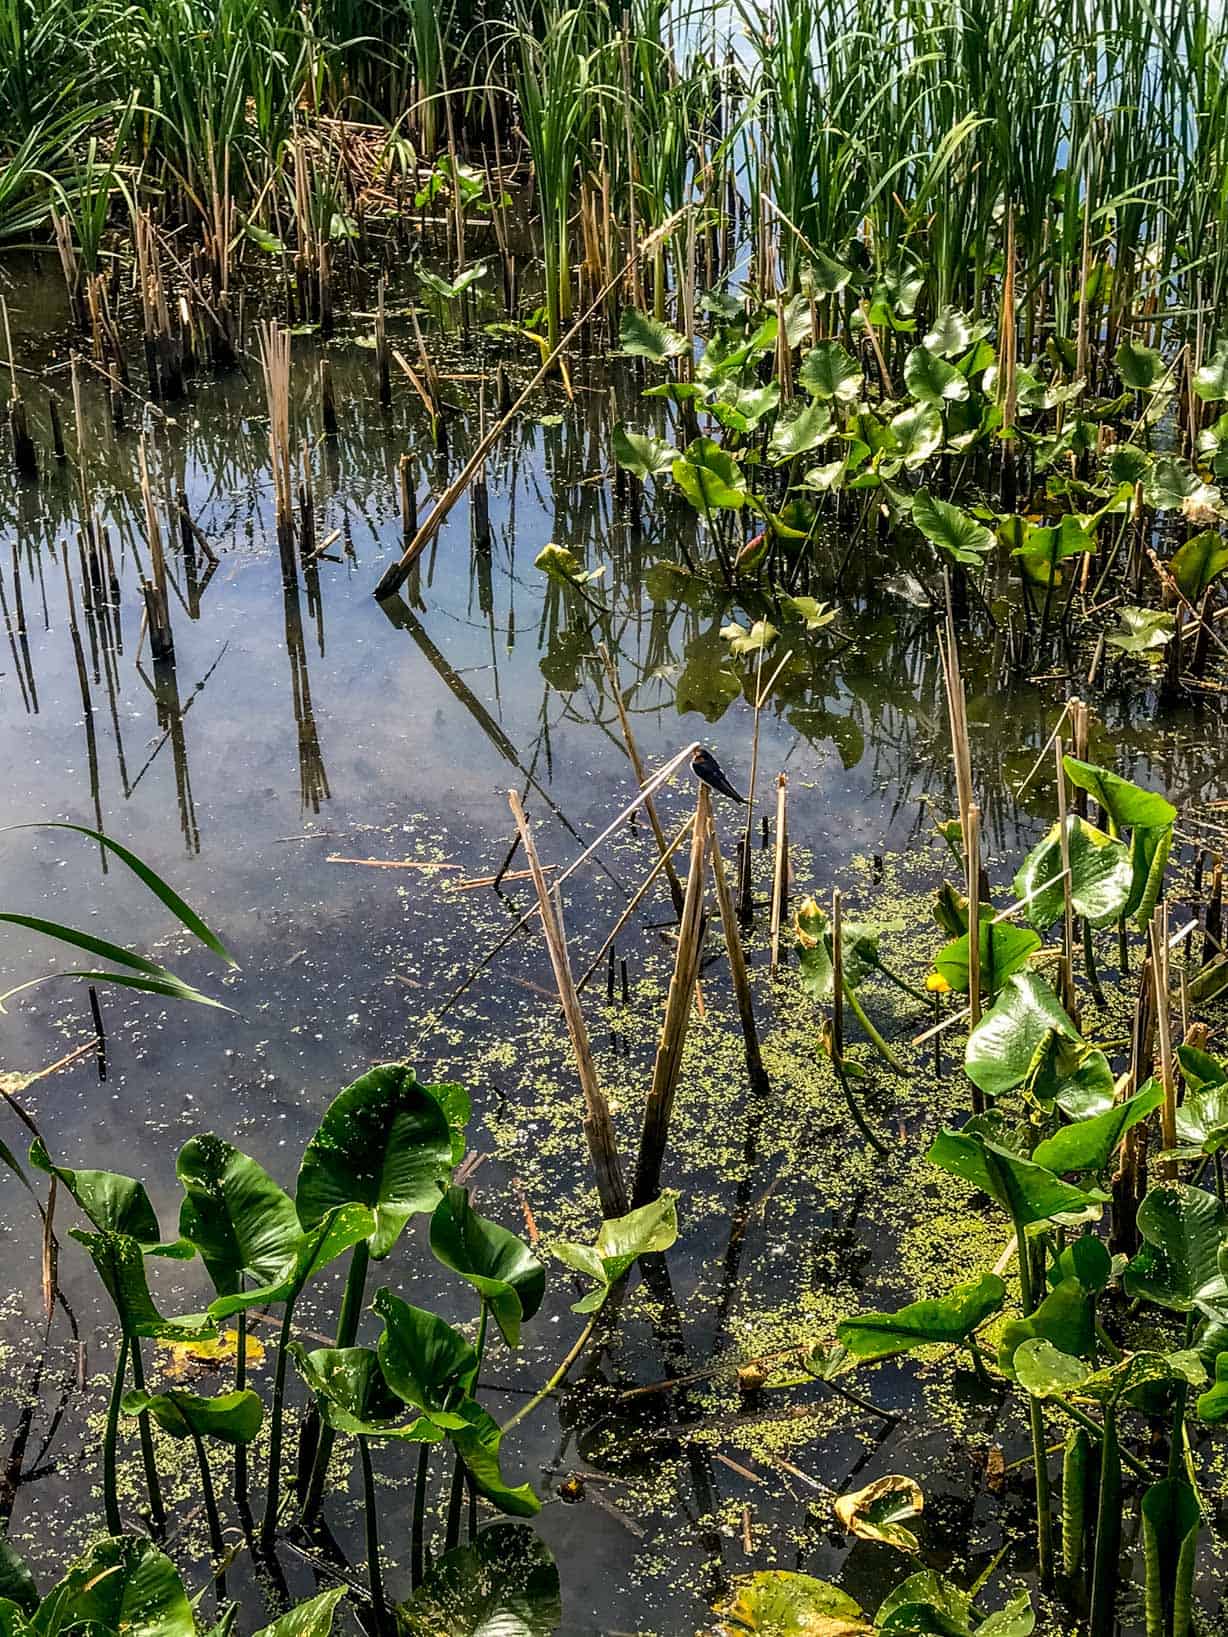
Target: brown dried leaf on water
(877, 1511)
(995, 1470)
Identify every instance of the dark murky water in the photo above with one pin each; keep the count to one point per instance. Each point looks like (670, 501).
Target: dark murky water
(307, 722)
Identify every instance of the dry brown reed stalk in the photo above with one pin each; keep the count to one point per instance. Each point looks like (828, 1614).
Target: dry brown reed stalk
(668, 1064)
(275, 362)
(393, 577)
(641, 774)
(598, 1124)
(780, 869)
(738, 973)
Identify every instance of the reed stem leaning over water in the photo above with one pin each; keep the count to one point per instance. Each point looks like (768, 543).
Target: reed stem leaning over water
(598, 1124)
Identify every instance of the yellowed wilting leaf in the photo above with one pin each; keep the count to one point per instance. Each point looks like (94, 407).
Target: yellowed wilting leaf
(192, 1358)
(877, 1512)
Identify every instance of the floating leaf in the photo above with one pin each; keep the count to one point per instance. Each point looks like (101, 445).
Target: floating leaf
(762, 634)
(878, 1511)
(950, 1319)
(783, 1603)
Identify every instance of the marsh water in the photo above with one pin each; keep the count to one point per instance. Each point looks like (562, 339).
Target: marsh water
(303, 728)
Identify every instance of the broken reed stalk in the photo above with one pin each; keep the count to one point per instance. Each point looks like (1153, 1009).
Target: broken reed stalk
(972, 834)
(780, 869)
(637, 897)
(1158, 932)
(611, 671)
(957, 718)
(598, 1124)
(275, 362)
(668, 1063)
(737, 963)
(393, 577)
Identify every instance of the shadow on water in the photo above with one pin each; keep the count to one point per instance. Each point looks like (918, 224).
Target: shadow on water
(309, 727)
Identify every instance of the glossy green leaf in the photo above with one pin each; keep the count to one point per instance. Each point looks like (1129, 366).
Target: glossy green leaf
(642, 336)
(1063, 1317)
(1213, 1404)
(1202, 1122)
(804, 428)
(477, 1441)
(1183, 1230)
(113, 1203)
(621, 1240)
(314, 1618)
(384, 1142)
(1141, 368)
(503, 1584)
(1089, 1145)
(354, 1397)
(1004, 950)
(709, 478)
(1126, 804)
(313, 1251)
(953, 332)
(231, 1418)
(1001, 1047)
(120, 1262)
(1199, 563)
(830, 372)
(1171, 1518)
(1026, 1191)
(917, 434)
(925, 1603)
(1101, 875)
(425, 1361)
(949, 1319)
(931, 380)
(499, 1266)
(16, 1580)
(1141, 632)
(1211, 379)
(124, 1586)
(961, 537)
(641, 454)
(242, 1223)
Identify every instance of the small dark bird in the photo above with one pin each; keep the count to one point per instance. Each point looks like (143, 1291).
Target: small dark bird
(705, 766)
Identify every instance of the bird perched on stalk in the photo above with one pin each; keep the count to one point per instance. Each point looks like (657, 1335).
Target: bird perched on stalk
(707, 769)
